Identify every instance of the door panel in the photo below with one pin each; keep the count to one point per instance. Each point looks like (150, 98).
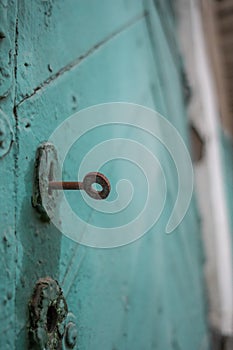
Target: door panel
(145, 295)
(55, 36)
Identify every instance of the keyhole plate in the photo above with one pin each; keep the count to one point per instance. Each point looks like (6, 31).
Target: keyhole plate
(47, 312)
(46, 169)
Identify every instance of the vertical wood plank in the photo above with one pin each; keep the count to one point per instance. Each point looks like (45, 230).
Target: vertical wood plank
(7, 174)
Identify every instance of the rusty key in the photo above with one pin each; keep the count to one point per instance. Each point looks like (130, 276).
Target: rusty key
(86, 185)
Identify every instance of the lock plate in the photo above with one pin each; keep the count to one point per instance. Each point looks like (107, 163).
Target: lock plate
(47, 312)
(46, 169)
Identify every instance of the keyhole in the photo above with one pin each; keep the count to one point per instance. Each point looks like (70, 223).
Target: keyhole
(52, 318)
(97, 187)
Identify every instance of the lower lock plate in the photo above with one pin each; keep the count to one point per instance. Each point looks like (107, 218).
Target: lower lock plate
(47, 312)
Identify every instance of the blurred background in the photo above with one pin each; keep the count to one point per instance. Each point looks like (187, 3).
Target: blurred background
(205, 35)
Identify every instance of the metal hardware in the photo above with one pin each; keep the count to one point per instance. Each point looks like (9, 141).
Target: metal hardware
(71, 335)
(46, 169)
(89, 180)
(46, 196)
(47, 312)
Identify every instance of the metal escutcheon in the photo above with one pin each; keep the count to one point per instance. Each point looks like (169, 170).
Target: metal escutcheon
(51, 327)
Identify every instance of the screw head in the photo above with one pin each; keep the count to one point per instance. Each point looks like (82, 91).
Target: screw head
(71, 335)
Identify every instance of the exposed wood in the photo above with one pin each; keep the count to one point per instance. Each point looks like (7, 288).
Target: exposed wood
(213, 174)
(222, 5)
(218, 22)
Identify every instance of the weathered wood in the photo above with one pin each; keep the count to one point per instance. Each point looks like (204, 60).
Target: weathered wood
(8, 173)
(218, 19)
(146, 295)
(225, 5)
(56, 35)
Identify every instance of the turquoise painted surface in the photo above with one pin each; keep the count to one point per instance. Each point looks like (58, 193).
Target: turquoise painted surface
(147, 295)
(8, 176)
(65, 32)
(227, 152)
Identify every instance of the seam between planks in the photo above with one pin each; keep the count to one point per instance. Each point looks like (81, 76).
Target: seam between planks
(16, 152)
(82, 58)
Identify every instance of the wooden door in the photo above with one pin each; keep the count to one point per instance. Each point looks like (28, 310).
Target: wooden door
(64, 56)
